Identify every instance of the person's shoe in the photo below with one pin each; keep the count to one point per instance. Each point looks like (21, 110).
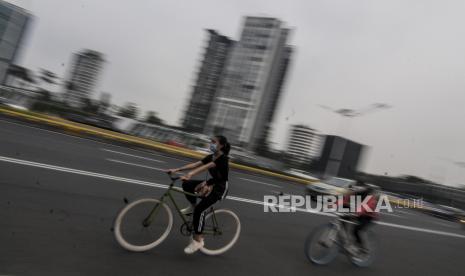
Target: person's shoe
(188, 210)
(363, 251)
(361, 255)
(357, 259)
(193, 246)
(353, 250)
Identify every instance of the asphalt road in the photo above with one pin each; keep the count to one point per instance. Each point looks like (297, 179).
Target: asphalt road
(59, 195)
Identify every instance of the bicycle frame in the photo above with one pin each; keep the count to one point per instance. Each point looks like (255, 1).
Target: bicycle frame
(168, 195)
(340, 234)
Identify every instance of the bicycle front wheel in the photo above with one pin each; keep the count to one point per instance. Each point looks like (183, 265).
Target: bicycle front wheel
(143, 224)
(320, 246)
(221, 231)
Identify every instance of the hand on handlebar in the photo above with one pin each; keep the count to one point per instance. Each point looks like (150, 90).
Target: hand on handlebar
(171, 171)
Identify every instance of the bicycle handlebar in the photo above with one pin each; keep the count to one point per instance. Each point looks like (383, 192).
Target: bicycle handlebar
(174, 178)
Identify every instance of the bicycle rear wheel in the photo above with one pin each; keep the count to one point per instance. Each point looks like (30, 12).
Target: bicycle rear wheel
(143, 224)
(320, 248)
(221, 231)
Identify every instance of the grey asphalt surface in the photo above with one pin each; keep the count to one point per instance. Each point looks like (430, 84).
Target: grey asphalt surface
(57, 220)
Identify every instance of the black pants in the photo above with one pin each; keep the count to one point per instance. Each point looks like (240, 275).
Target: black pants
(199, 210)
(363, 222)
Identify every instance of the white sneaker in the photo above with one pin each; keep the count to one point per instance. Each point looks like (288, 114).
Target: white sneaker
(353, 250)
(188, 210)
(193, 246)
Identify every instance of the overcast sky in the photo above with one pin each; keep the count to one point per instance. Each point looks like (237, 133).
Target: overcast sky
(349, 54)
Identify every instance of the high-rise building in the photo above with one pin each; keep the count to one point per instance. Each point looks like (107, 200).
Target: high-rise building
(85, 70)
(303, 144)
(14, 23)
(251, 85)
(206, 86)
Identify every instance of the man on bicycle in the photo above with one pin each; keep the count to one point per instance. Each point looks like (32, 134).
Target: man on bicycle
(210, 191)
(365, 212)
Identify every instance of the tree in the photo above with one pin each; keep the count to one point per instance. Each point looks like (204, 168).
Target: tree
(44, 95)
(151, 117)
(89, 106)
(129, 110)
(104, 102)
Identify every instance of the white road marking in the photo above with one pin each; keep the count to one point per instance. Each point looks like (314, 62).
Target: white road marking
(392, 215)
(157, 185)
(402, 212)
(90, 140)
(424, 230)
(44, 130)
(259, 182)
(132, 155)
(148, 152)
(134, 164)
(80, 172)
(278, 192)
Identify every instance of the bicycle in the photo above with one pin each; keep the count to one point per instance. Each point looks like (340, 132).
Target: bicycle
(335, 236)
(145, 223)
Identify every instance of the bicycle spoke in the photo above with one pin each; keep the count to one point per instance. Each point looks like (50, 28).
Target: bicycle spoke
(319, 248)
(221, 231)
(142, 224)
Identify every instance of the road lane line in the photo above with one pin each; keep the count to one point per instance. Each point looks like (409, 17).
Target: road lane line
(402, 212)
(88, 140)
(157, 185)
(392, 215)
(132, 155)
(259, 182)
(80, 172)
(424, 230)
(134, 164)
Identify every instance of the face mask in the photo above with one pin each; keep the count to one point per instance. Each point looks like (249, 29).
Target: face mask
(213, 148)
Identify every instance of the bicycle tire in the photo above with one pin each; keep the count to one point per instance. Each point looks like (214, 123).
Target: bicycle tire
(222, 215)
(370, 240)
(122, 217)
(313, 240)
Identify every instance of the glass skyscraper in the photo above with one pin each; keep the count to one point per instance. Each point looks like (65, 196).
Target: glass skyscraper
(251, 84)
(13, 25)
(208, 78)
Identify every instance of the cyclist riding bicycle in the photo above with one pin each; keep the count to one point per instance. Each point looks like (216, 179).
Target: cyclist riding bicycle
(365, 214)
(210, 190)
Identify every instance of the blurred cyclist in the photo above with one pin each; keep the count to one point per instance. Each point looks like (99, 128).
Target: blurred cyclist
(363, 216)
(211, 190)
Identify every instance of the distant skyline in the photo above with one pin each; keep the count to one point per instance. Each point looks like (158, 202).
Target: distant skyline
(409, 54)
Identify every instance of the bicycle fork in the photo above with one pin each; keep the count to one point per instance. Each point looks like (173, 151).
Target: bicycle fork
(148, 220)
(331, 235)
